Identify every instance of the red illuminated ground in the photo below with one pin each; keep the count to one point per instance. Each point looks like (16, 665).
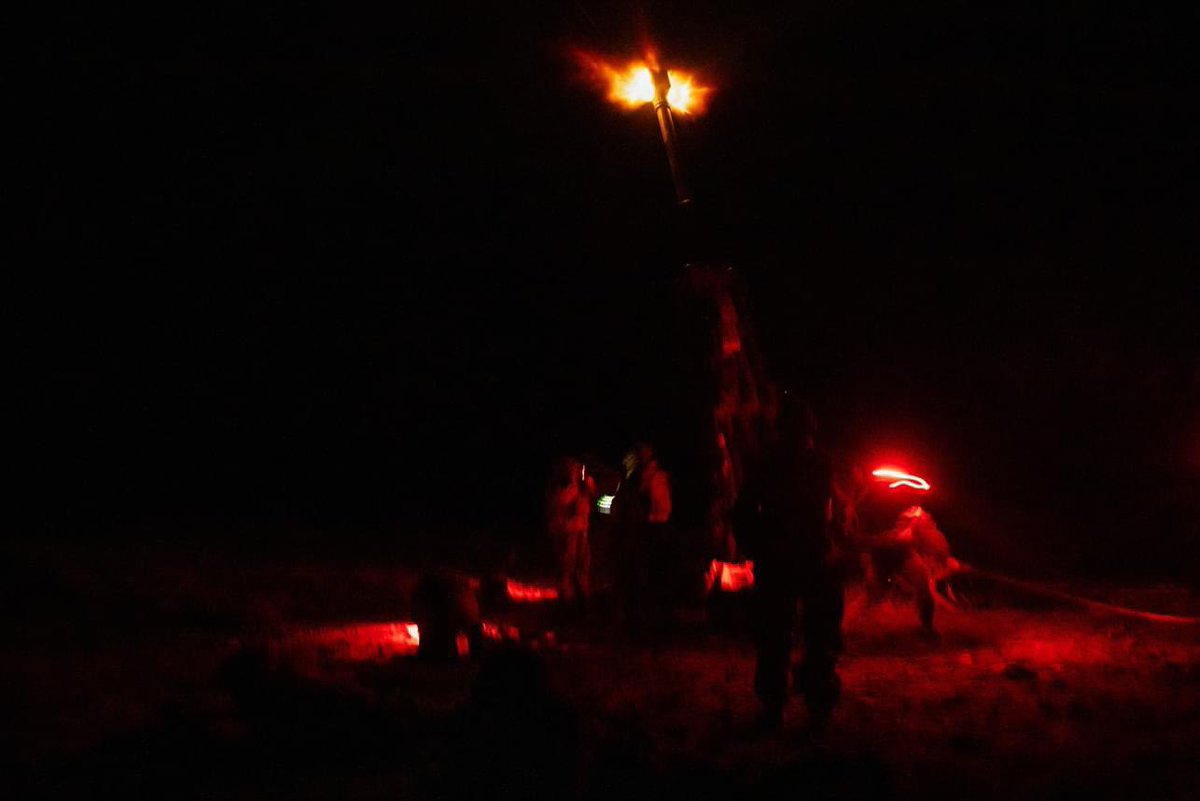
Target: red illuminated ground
(249, 679)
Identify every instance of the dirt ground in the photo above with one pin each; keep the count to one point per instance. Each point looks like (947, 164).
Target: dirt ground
(189, 675)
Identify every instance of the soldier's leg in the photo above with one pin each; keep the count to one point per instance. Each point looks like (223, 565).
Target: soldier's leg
(876, 567)
(621, 561)
(434, 616)
(823, 608)
(915, 574)
(659, 576)
(774, 615)
(583, 566)
(637, 575)
(565, 553)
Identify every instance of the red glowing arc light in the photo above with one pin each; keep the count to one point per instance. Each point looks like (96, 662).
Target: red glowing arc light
(899, 478)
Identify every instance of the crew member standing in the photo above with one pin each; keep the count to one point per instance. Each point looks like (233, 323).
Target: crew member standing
(649, 558)
(568, 512)
(784, 518)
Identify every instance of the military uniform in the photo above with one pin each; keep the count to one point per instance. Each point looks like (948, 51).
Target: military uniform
(648, 552)
(783, 518)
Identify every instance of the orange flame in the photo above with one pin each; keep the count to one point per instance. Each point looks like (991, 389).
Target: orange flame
(899, 478)
(632, 86)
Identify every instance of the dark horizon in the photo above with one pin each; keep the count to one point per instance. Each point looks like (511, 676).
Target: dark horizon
(370, 268)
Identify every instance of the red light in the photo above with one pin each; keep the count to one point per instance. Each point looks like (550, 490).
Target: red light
(730, 576)
(520, 592)
(900, 478)
(500, 631)
(358, 642)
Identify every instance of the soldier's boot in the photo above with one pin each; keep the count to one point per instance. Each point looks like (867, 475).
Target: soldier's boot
(821, 686)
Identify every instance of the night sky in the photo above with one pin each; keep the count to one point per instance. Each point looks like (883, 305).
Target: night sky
(370, 267)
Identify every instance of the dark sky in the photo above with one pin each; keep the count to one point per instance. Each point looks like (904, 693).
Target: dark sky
(371, 263)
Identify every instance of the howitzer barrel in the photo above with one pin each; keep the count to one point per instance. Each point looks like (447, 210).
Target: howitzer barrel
(666, 125)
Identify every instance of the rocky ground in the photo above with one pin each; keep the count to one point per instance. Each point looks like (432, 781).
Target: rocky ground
(192, 675)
